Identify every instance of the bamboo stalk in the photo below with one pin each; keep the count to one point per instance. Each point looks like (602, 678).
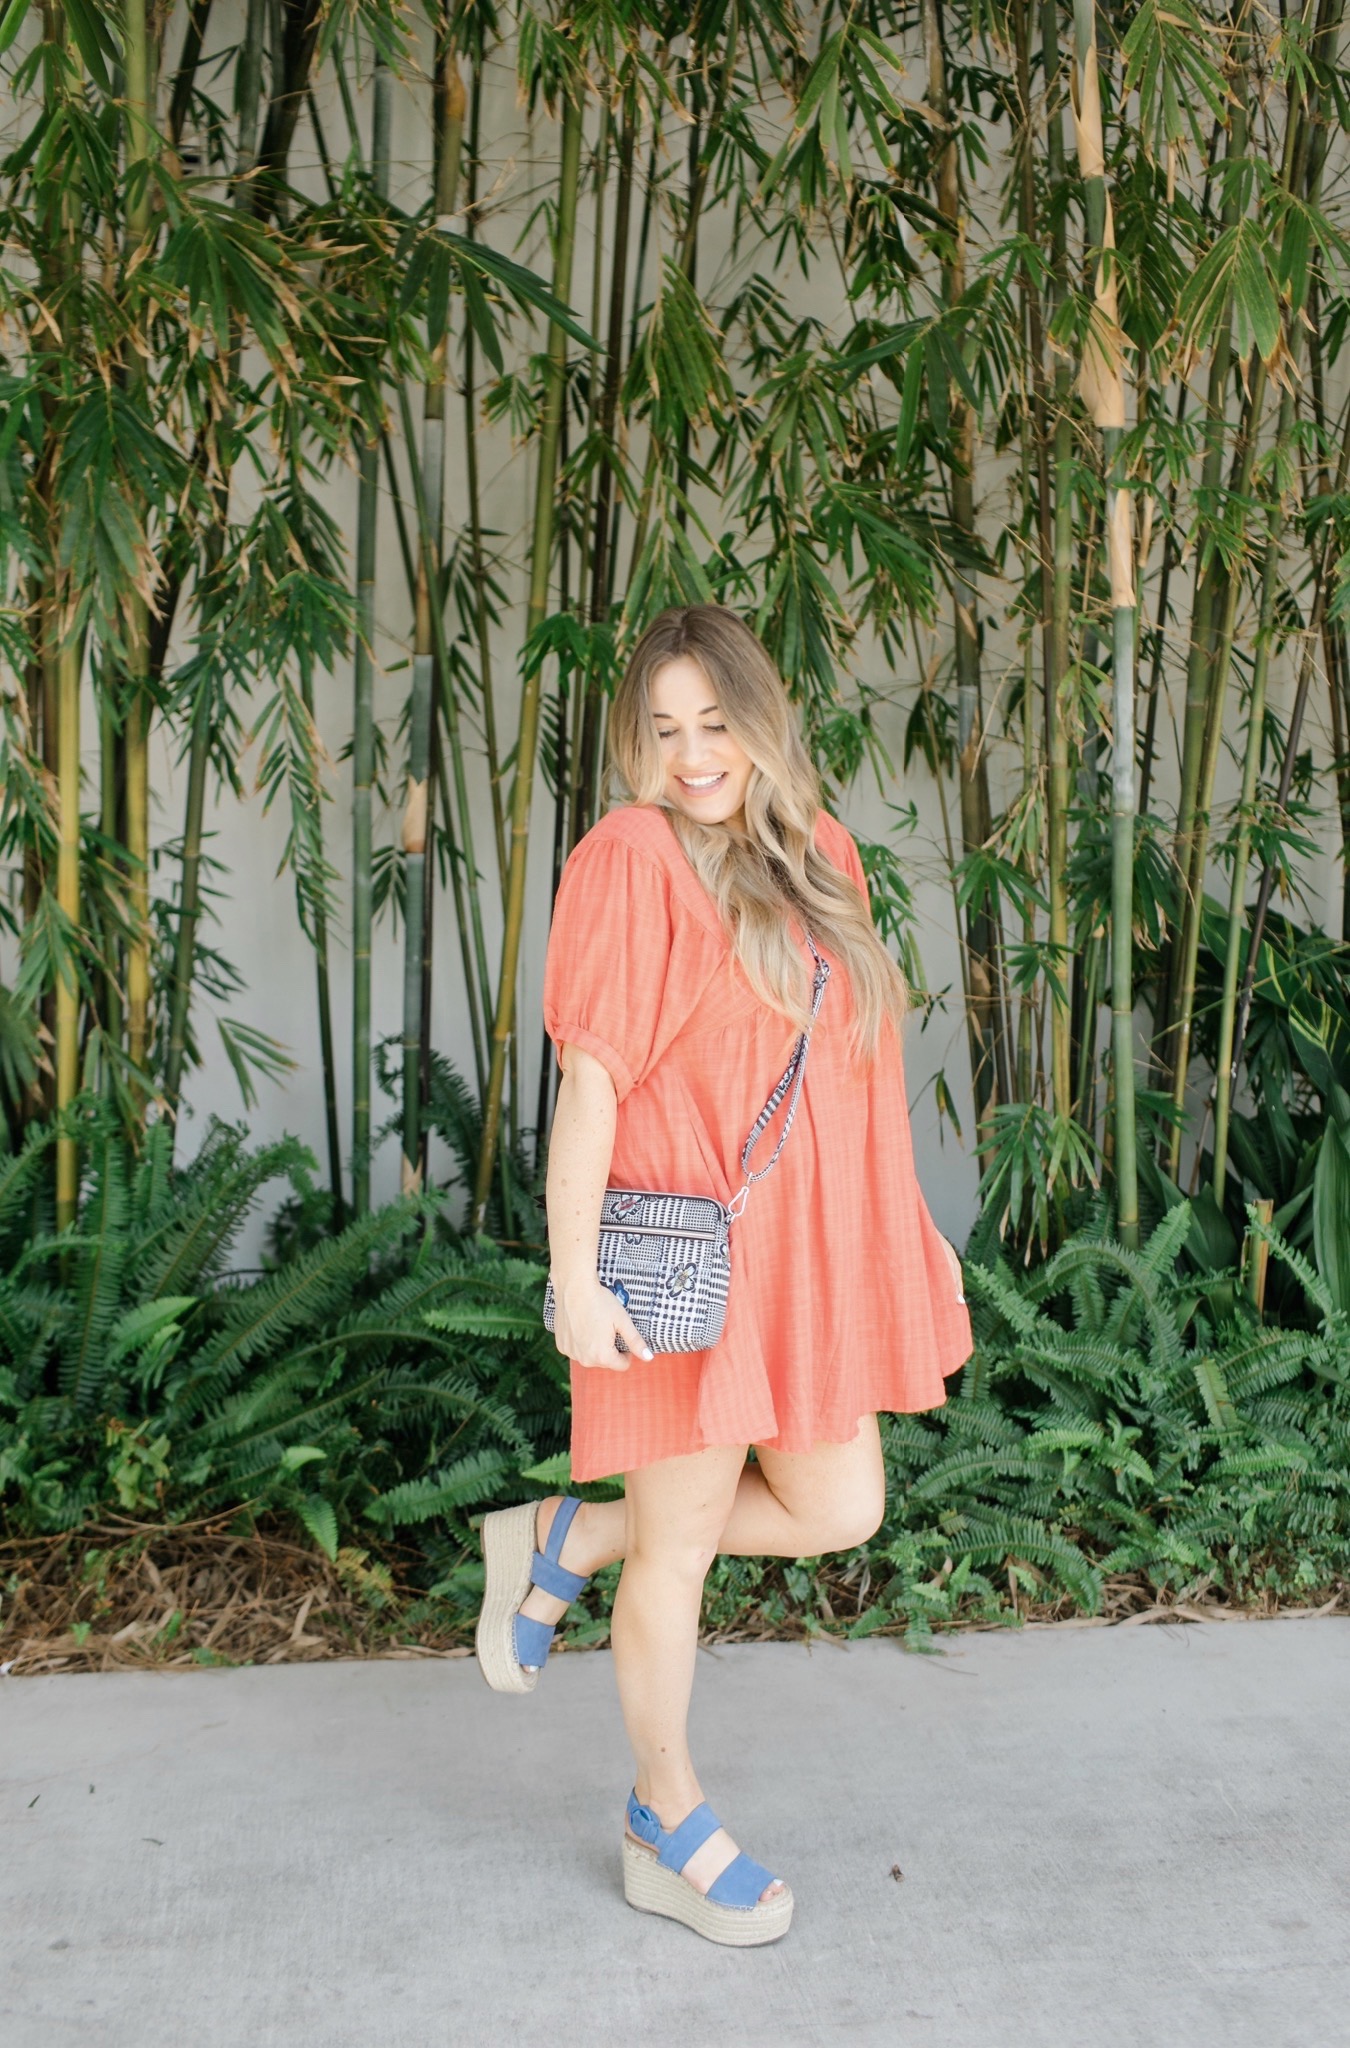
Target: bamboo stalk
(1309, 152)
(1224, 1076)
(1209, 572)
(1102, 383)
(68, 897)
(1322, 583)
(295, 42)
(474, 954)
(473, 491)
(61, 664)
(214, 461)
(585, 737)
(1058, 675)
(1198, 849)
(139, 146)
(580, 792)
(1035, 415)
(449, 91)
(363, 719)
(327, 1055)
(1171, 555)
(180, 96)
(988, 1075)
(540, 559)
(1293, 171)
(189, 896)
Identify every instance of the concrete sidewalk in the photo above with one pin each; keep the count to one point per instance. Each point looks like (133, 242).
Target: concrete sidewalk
(1107, 1838)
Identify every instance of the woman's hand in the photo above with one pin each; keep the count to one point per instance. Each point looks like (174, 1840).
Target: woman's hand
(958, 1277)
(586, 1321)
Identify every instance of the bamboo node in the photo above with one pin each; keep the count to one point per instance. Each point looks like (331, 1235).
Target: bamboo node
(415, 818)
(1120, 555)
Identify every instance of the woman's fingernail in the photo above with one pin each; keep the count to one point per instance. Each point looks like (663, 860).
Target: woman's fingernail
(647, 1355)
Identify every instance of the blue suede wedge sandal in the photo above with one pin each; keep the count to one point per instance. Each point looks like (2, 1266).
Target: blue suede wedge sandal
(511, 1646)
(731, 1912)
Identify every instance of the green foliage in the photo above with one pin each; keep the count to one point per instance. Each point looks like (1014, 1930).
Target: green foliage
(1120, 1415)
(1121, 1412)
(378, 1377)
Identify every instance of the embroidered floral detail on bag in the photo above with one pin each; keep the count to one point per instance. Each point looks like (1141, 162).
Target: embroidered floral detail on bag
(682, 1279)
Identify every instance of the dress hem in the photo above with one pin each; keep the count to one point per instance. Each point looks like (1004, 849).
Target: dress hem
(790, 1450)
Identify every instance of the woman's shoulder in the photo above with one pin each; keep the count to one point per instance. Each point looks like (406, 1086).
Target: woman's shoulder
(639, 840)
(834, 840)
(633, 828)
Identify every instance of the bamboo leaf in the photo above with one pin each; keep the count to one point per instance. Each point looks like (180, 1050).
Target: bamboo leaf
(11, 21)
(1331, 1202)
(523, 284)
(93, 39)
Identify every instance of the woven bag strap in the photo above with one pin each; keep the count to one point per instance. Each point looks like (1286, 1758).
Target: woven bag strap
(792, 1076)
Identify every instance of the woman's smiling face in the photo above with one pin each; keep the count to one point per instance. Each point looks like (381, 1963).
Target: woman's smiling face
(707, 771)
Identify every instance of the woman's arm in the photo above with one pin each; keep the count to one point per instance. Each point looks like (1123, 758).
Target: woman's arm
(588, 1317)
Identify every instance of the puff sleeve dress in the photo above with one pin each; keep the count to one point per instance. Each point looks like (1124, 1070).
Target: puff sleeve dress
(842, 1301)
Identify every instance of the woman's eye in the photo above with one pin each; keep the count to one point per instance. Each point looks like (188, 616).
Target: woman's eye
(665, 735)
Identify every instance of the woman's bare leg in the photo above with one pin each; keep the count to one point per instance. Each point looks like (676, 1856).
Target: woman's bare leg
(675, 1517)
(676, 1511)
(809, 1503)
(785, 1505)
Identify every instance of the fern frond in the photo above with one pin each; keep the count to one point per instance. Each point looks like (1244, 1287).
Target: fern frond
(1309, 1279)
(469, 1319)
(303, 1292)
(98, 1279)
(995, 1286)
(479, 1477)
(1159, 1256)
(203, 1210)
(1209, 1377)
(19, 1171)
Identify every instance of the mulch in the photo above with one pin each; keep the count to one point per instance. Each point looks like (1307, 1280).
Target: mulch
(123, 1595)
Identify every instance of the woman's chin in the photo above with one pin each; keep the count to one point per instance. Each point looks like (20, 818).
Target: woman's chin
(722, 807)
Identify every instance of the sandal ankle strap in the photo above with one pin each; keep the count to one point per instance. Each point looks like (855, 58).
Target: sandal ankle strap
(673, 1846)
(740, 1884)
(546, 1570)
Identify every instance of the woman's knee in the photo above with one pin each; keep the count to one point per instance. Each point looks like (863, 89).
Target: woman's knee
(680, 1555)
(861, 1524)
(844, 1525)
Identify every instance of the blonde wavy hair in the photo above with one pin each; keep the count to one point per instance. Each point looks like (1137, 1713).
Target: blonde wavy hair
(772, 873)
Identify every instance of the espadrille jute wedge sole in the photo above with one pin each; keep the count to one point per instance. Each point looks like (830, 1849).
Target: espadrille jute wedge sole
(732, 1913)
(653, 1889)
(508, 1549)
(513, 1565)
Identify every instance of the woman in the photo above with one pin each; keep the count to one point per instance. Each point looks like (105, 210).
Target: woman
(678, 978)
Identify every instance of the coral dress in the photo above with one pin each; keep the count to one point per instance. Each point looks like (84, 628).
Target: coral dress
(842, 1300)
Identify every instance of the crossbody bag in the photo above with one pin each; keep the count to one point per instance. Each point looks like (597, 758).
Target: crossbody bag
(667, 1257)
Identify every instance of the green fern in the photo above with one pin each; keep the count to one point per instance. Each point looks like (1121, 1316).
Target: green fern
(477, 1477)
(99, 1262)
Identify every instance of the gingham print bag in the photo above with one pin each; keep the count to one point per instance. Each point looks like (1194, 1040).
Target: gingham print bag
(668, 1257)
